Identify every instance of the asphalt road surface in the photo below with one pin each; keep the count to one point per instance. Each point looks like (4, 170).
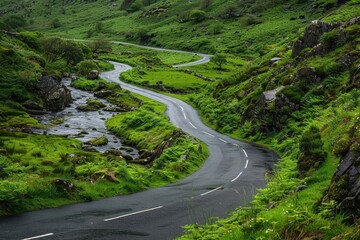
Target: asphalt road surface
(228, 179)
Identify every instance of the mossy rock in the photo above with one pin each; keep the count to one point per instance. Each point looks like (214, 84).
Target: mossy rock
(101, 141)
(91, 105)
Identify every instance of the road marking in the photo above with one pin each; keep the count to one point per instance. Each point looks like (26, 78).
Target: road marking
(182, 109)
(247, 162)
(40, 236)
(237, 177)
(245, 153)
(211, 191)
(134, 213)
(208, 134)
(184, 115)
(222, 140)
(236, 145)
(192, 125)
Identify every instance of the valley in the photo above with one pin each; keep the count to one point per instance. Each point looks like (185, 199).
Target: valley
(272, 77)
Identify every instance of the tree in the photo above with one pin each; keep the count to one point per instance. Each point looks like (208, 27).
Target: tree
(52, 47)
(56, 23)
(197, 15)
(72, 53)
(218, 59)
(15, 21)
(100, 45)
(86, 66)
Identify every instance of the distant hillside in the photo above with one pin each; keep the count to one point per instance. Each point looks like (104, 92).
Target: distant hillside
(240, 27)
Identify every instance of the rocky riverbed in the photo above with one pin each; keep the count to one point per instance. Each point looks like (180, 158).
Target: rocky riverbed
(85, 126)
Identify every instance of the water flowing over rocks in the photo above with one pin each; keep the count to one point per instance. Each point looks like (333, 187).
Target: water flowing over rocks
(86, 126)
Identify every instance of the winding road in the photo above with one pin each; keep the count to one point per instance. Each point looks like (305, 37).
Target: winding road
(229, 178)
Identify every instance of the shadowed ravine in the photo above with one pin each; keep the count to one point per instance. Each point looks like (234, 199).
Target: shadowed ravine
(228, 179)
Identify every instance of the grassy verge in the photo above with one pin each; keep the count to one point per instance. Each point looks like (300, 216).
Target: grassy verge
(276, 213)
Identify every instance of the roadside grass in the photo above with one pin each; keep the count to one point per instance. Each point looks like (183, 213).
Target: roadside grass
(279, 213)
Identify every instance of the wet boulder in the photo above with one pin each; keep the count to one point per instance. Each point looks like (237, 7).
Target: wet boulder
(103, 93)
(91, 105)
(54, 94)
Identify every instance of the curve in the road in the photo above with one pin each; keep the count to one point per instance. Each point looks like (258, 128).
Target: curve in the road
(228, 178)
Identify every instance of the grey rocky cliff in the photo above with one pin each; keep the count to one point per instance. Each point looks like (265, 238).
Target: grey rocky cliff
(312, 35)
(345, 185)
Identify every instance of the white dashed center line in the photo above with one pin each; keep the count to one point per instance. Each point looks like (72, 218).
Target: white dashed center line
(192, 125)
(237, 177)
(211, 191)
(134, 213)
(245, 153)
(40, 236)
(222, 140)
(208, 134)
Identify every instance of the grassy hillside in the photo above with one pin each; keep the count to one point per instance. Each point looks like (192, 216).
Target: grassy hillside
(289, 83)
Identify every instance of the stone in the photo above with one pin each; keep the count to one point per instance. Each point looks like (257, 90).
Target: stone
(103, 93)
(93, 74)
(54, 94)
(299, 188)
(64, 185)
(100, 141)
(30, 105)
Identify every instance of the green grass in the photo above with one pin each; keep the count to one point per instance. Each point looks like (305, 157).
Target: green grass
(173, 80)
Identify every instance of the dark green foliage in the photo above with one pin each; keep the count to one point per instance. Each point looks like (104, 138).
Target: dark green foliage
(143, 36)
(293, 93)
(100, 45)
(197, 15)
(312, 153)
(15, 21)
(32, 39)
(72, 53)
(52, 47)
(55, 23)
(331, 40)
(86, 66)
(219, 60)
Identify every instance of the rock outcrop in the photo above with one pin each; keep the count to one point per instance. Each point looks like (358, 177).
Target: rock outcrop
(345, 184)
(312, 35)
(148, 157)
(54, 94)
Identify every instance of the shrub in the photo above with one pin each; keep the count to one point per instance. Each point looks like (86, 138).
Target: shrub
(11, 193)
(312, 153)
(84, 67)
(55, 23)
(15, 21)
(197, 15)
(331, 39)
(294, 93)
